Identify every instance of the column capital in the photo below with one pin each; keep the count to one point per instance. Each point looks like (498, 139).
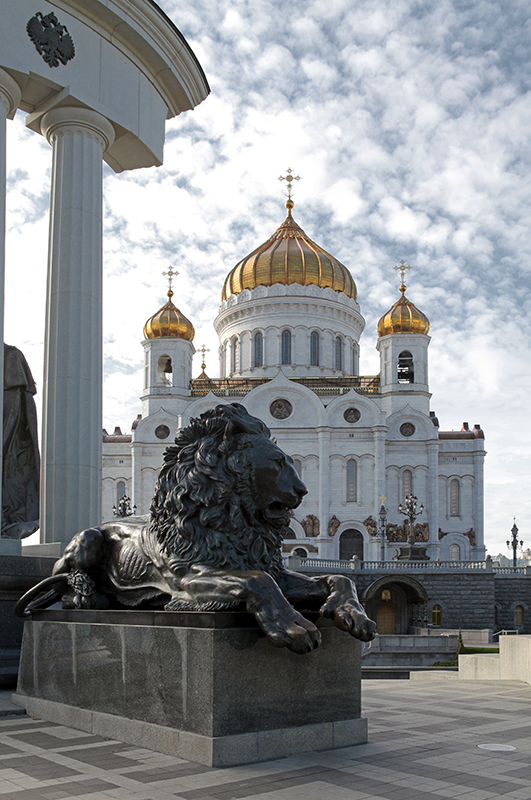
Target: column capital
(83, 120)
(10, 93)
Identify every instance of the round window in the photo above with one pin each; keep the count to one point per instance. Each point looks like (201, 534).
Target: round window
(407, 429)
(280, 409)
(352, 415)
(162, 431)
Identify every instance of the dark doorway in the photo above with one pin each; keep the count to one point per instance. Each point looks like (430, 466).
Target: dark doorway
(350, 544)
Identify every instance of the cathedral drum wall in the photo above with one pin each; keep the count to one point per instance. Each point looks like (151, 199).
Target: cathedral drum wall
(272, 310)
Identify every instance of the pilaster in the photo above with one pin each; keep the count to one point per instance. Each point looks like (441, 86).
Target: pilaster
(432, 499)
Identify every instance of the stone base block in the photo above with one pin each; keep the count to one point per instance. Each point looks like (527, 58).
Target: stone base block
(219, 751)
(204, 686)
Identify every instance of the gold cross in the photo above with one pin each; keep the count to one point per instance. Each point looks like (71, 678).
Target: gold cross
(382, 499)
(203, 350)
(402, 269)
(289, 178)
(170, 273)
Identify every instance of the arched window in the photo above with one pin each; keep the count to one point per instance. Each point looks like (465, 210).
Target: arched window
(314, 349)
(338, 353)
(286, 348)
(454, 552)
(234, 354)
(289, 534)
(299, 552)
(352, 481)
(351, 544)
(436, 615)
(405, 372)
(297, 465)
(407, 483)
(454, 497)
(258, 349)
(120, 491)
(518, 615)
(164, 371)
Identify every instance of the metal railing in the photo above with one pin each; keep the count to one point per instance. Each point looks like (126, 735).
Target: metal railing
(505, 633)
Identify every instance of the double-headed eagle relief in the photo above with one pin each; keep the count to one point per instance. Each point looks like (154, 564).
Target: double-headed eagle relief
(52, 40)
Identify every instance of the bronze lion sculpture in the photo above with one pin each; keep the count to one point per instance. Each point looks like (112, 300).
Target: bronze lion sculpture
(211, 541)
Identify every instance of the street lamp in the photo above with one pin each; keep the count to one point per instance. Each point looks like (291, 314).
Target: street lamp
(382, 514)
(124, 508)
(409, 510)
(513, 543)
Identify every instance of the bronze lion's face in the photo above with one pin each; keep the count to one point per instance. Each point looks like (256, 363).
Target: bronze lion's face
(277, 487)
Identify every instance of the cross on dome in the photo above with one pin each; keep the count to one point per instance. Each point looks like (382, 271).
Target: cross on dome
(402, 267)
(170, 273)
(203, 349)
(288, 177)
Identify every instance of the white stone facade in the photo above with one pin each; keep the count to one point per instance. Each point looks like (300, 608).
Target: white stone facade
(353, 439)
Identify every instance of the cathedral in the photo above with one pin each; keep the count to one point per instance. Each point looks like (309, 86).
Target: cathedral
(289, 326)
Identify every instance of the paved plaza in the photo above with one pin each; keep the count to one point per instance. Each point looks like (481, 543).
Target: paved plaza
(425, 740)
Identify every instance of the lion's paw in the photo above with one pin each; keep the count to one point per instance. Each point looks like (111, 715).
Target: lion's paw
(289, 629)
(348, 617)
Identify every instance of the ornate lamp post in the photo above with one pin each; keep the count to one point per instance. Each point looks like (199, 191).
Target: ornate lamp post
(382, 514)
(124, 507)
(409, 510)
(513, 542)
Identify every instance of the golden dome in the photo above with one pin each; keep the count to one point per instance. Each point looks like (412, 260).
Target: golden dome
(403, 317)
(289, 256)
(168, 321)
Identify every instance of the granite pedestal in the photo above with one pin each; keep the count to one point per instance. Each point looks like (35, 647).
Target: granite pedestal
(204, 686)
(18, 574)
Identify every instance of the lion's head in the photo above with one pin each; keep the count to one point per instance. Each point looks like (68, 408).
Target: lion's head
(225, 493)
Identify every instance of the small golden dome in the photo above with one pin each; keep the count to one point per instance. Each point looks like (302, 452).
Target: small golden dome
(289, 256)
(168, 321)
(403, 317)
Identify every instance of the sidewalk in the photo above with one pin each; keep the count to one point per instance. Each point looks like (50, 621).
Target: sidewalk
(424, 739)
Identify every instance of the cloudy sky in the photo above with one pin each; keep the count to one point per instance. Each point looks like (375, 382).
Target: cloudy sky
(409, 124)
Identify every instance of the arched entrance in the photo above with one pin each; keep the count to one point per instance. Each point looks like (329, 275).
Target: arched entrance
(350, 544)
(391, 602)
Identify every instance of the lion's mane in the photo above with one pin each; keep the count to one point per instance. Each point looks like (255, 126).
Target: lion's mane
(203, 509)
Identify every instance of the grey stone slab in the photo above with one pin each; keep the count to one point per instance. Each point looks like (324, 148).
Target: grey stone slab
(275, 744)
(37, 767)
(349, 732)
(214, 682)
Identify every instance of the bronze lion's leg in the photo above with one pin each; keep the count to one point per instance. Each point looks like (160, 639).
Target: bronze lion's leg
(337, 598)
(282, 624)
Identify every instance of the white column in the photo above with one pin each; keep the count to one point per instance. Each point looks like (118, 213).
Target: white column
(71, 428)
(9, 100)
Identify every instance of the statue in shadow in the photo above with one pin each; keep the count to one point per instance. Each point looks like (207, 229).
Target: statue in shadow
(20, 452)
